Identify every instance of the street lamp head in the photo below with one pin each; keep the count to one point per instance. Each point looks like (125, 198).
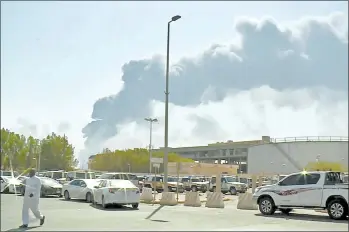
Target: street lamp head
(175, 18)
(155, 120)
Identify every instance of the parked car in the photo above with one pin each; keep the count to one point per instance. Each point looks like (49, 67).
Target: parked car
(310, 190)
(155, 183)
(173, 184)
(120, 176)
(116, 192)
(194, 184)
(80, 175)
(10, 184)
(228, 185)
(80, 189)
(49, 187)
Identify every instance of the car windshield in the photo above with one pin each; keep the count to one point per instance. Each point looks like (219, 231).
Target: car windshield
(185, 179)
(106, 176)
(49, 181)
(159, 179)
(195, 180)
(230, 179)
(243, 180)
(80, 175)
(131, 177)
(9, 173)
(57, 175)
(172, 179)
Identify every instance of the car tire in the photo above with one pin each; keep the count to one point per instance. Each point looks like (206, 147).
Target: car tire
(89, 197)
(232, 191)
(286, 211)
(194, 188)
(104, 205)
(66, 195)
(135, 206)
(267, 206)
(22, 191)
(337, 209)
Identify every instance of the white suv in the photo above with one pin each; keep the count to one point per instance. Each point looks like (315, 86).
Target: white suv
(228, 184)
(309, 190)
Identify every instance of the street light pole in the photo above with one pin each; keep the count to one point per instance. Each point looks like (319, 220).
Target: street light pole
(150, 120)
(173, 19)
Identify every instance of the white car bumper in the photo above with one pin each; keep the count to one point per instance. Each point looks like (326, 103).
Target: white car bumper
(122, 198)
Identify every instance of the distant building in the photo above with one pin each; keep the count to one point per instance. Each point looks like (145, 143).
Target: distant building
(229, 152)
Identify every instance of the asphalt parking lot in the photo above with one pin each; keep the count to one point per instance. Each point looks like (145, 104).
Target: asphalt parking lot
(78, 215)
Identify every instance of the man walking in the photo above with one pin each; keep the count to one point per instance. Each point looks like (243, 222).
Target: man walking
(31, 199)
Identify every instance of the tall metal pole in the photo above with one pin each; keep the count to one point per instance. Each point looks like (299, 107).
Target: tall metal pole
(150, 145)
(174, 18)
(166, 109)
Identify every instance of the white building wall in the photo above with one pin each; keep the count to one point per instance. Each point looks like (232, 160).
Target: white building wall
(268, 159)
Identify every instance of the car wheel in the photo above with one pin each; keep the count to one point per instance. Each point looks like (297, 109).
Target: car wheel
(42, 194)
(104, 205)
(66, 195)
(286, 211)
(88, 197)
(232, 191)
(267, 206)
(337, 209)
(22, 191)
(194, 188)
(135, 206)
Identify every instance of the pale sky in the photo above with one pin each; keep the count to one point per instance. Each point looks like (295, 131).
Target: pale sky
(59, 58)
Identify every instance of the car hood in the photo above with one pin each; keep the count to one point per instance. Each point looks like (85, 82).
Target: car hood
(200, 183)
(236, 183)
(175, 183)
(14, 181)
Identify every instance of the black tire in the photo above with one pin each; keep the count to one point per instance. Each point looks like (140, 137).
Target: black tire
(266, 206)
(233, 191)
(89, 197)
(22, 191)
(194, 188)
(135, 206)
(286, 211)
(66, 195)
(337, 209)
(42, 194)
(104, 205)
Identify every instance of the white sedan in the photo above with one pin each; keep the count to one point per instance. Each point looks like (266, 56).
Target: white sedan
(116, 192)
(10, 184)
(80, 189)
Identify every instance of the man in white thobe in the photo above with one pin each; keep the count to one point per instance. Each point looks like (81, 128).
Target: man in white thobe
(31, 199)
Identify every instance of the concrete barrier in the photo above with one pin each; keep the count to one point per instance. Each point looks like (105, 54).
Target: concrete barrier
(192, 199)
(215, 200)
(147, 195)
(168, 198)
(208, 194)
(245, 202)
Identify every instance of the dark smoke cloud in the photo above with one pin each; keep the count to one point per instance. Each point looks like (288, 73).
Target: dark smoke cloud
(313, 56)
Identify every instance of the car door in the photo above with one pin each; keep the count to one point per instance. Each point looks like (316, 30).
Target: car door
(311, 193)
(224, 184)
(288, 189)
(98, 191)
(74, 188)
(81, 190)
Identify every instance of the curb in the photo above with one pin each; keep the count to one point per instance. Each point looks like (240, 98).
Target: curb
(178, 202)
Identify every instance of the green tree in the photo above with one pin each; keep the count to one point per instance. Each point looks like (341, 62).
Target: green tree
(53, 152)
(136, 159)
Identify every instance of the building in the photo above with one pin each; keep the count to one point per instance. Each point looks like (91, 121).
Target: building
(229, 152)
(294, 154)
(90, 159)
(269, 154)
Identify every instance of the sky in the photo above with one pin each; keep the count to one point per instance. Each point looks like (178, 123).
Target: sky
(239, 70)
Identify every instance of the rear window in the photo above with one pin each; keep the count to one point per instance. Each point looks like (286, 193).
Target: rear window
(131, 177)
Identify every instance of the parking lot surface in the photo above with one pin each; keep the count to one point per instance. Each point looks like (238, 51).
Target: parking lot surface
(64, 215)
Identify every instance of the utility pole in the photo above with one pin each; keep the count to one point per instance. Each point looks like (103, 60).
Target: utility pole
(150, 120)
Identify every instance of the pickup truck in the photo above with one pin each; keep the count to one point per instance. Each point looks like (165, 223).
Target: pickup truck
(229, 184)
(309, 190)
